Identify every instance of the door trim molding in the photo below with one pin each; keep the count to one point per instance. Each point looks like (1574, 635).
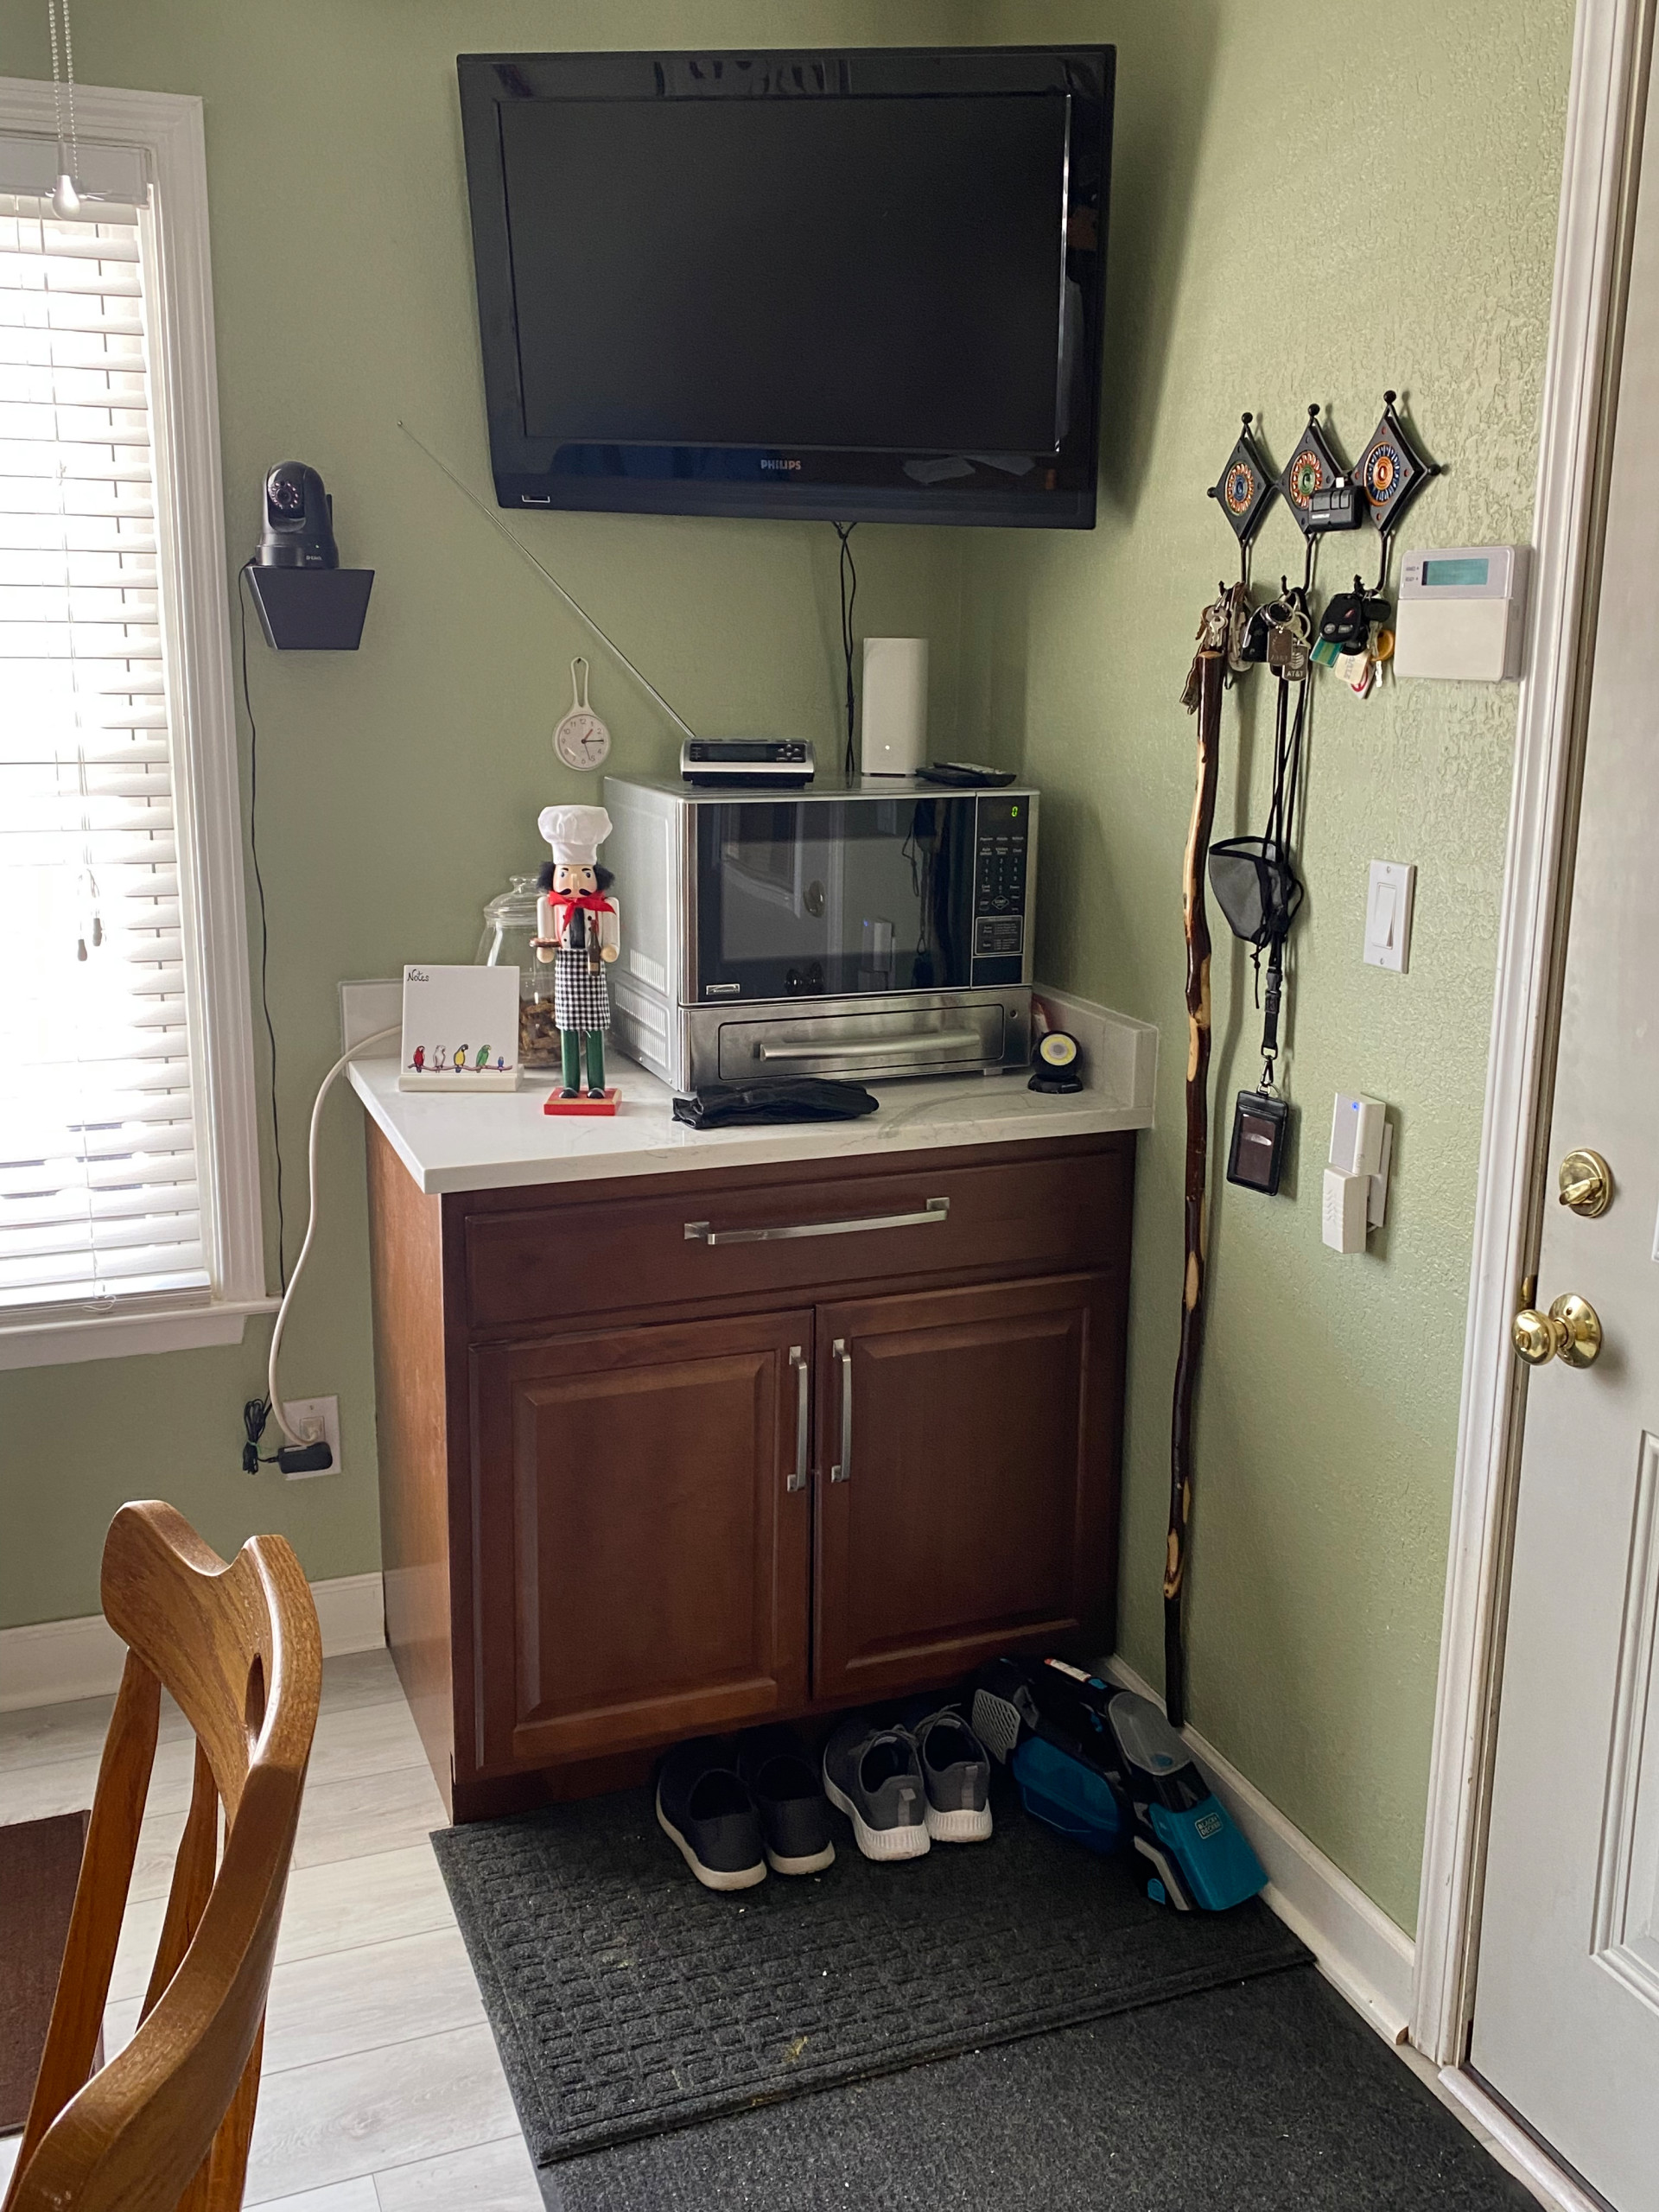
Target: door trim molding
(1605, 111)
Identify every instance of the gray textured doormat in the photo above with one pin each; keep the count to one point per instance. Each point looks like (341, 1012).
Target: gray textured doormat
(1271, 2095)
(626, 2001)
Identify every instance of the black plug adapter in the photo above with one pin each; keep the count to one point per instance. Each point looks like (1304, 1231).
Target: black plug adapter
(305, 1458)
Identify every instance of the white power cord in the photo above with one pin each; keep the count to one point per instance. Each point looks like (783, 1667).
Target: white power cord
(323, 1088)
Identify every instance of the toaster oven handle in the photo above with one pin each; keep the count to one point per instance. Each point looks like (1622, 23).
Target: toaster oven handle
(700, 1232)
(877, 1048)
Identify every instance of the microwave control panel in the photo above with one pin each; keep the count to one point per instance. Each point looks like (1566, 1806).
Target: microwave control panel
(1000, 889)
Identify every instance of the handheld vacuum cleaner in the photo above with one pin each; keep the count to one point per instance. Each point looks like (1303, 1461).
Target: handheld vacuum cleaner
(1105, 1768)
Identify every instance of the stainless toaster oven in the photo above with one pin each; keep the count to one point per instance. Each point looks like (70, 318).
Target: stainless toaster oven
(878, 930)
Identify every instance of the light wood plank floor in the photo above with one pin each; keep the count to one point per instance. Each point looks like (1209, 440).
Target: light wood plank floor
(382, 2091)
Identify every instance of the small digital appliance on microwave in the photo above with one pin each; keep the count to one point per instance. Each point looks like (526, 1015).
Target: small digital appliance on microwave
(871, 932)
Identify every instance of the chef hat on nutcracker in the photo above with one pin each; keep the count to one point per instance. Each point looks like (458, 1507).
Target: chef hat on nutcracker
(576, 834)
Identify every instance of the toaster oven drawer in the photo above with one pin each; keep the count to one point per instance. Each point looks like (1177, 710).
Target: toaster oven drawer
(572, 1261)
(859, 1041)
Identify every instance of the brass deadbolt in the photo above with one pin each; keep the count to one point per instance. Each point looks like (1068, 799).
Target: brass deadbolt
(1586, 1184)
(1570, 1332)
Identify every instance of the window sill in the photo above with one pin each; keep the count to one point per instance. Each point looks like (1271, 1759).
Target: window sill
(121, 1336)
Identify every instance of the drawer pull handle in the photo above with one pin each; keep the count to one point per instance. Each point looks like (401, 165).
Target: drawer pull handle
(797, 1361)
(843, 1469)
(700, 1232)
(879, 1048)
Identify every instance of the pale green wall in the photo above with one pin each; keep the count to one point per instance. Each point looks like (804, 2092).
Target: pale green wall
(1266, 253)
(399, 786)
(1262, 256)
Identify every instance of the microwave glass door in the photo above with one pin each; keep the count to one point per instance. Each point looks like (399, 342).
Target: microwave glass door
(831, 898)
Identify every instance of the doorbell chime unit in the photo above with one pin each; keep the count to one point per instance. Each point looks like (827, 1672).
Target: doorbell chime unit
(1356, 1181)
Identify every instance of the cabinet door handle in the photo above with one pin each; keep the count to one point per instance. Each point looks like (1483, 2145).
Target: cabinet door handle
(797, 1361)
(843, 1469)
(700, 1232)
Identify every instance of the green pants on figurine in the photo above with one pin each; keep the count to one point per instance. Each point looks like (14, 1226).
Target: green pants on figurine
(578, 929)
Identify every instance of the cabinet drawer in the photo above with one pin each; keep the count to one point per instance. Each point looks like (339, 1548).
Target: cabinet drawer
(858, 1231)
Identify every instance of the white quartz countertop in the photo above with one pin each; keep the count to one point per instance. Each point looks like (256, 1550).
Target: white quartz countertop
(500, 1140)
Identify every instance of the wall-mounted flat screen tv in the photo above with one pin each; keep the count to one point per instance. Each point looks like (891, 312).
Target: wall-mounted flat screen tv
(863, 286)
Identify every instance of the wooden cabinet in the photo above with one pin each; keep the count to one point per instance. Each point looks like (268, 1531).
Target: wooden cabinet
(642, 1518)
(963, 1497)
(650, 1468)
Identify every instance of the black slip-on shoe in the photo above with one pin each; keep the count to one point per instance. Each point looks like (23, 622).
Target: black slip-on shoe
(703, 1806)
(874, 1776)
(780, 1776)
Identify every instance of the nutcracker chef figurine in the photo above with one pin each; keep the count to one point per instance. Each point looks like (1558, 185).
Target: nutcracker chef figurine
(577, 929)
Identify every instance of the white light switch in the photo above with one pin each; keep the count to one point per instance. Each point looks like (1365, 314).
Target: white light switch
(1387, 914)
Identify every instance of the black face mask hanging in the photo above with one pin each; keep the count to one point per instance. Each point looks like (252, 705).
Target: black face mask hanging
(1259, 891)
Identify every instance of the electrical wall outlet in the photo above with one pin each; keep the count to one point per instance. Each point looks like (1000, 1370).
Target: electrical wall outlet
(314, 1421)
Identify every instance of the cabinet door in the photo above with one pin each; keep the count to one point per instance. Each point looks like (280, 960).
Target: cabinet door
(643, 1541)
(967, 1482)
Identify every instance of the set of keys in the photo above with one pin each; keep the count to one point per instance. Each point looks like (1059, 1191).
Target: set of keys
(1280, 635)
(1355, 637)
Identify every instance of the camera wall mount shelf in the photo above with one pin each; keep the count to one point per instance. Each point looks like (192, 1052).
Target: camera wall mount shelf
(311, 610)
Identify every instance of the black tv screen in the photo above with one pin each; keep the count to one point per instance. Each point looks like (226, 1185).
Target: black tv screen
(862, 285)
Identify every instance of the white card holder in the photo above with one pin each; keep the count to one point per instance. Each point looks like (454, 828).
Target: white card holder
(461, 1029)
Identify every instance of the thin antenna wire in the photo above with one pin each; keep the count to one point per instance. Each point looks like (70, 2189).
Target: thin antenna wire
(547, 576)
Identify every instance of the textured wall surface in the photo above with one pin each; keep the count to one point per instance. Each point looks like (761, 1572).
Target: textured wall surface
(1291, 224)
(398, 787)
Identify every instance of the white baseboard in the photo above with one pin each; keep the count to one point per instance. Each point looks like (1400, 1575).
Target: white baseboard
(1358, 1947)
(55, 1661)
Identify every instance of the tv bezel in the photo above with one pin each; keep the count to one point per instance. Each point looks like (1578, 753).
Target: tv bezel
(526, 470)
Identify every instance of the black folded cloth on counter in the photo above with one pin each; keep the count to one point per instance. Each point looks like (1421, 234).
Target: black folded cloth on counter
(777, 1098)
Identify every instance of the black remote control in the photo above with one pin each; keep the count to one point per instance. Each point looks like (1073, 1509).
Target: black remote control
(971, 775)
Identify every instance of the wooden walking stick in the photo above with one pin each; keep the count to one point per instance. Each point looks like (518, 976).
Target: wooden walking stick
(1202, 696)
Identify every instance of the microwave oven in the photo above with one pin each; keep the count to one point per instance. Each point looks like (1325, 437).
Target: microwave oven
(878, 930)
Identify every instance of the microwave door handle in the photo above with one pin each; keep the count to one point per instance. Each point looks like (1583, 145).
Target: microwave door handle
(877, 1047)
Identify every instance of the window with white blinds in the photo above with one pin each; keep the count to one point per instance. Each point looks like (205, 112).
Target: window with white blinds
(129, 1215)
(99, 1192)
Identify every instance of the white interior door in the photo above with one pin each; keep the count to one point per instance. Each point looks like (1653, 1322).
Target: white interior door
(1567, 2000)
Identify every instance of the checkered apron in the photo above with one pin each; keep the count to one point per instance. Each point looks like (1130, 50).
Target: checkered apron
(580, 1001)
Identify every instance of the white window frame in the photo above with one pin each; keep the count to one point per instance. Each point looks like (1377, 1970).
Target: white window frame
(164, 129)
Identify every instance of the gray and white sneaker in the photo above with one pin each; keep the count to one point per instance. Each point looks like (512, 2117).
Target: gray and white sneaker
(957, 1776)
(874, 1776)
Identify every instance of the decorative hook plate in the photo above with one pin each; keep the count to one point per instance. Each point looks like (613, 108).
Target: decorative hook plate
(1245, 490)
(1310, 469)
(1391, 471)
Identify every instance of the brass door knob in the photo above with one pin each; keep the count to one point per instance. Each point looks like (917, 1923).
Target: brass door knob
(1570, 1332)
(1586, 1184)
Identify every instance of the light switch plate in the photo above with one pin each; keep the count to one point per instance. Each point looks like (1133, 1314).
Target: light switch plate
(1387, 914)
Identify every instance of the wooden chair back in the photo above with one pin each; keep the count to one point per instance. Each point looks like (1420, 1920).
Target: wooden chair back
(164, 2126)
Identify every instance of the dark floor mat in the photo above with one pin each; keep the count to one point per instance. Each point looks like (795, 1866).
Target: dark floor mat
(40, 1866)
(1268, 2096)
(625, 1999)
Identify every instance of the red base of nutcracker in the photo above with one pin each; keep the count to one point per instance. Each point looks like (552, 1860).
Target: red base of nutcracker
(584, 1103)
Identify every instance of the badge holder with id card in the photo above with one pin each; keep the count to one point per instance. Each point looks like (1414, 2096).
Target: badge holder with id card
(1257, 889)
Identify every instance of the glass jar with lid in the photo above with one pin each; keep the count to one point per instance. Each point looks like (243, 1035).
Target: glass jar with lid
(509, 941)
